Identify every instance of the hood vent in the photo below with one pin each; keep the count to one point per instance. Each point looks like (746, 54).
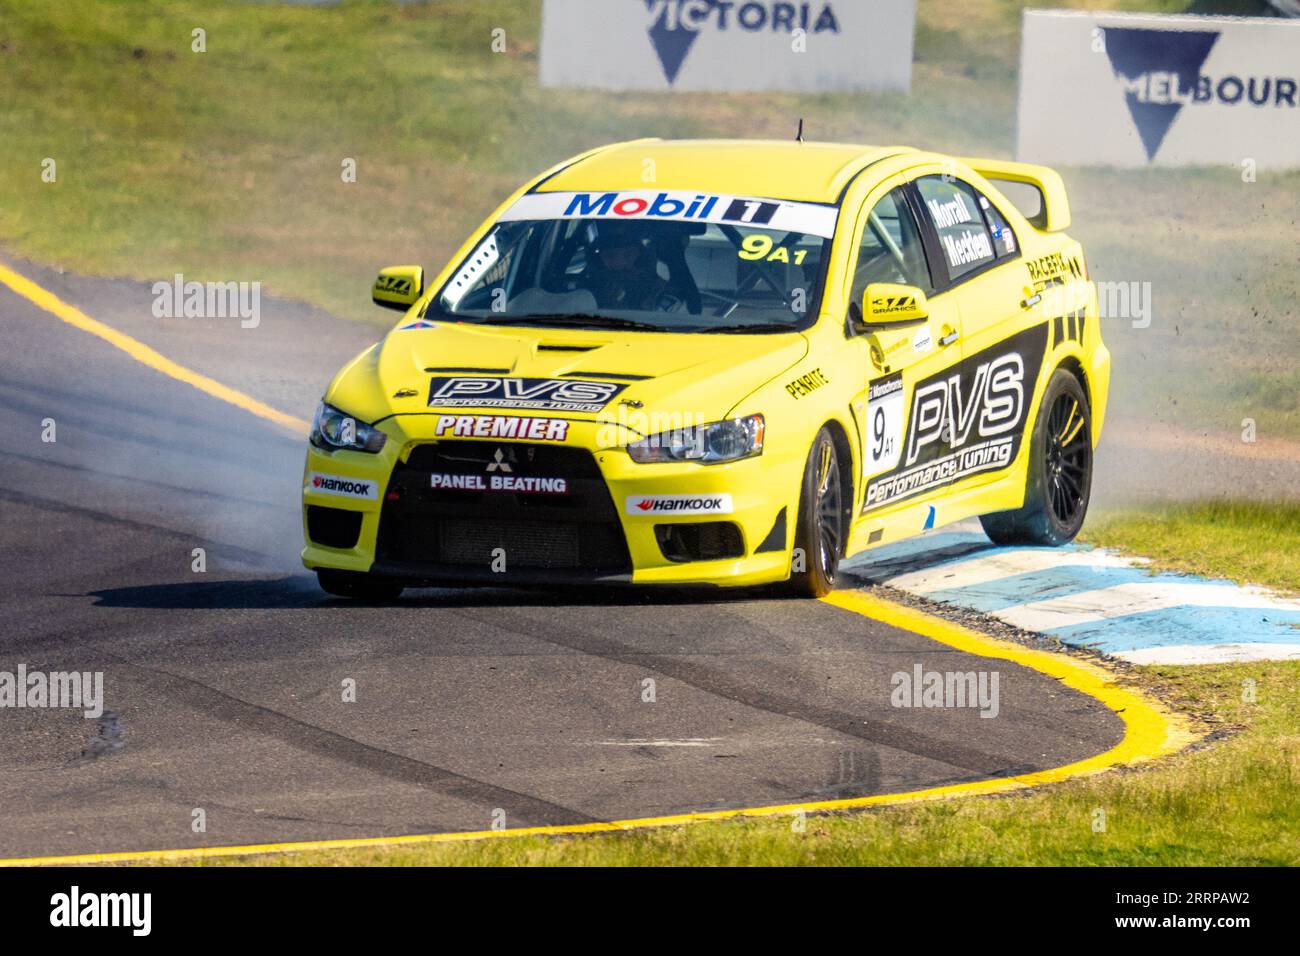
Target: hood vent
(555, 347)
(616, 376)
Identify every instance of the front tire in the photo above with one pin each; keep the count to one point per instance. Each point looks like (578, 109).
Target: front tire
(1059, 485)
(819, 533)
(359, 586)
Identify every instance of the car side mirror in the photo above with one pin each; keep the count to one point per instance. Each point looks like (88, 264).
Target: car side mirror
(398, 287)
(890, 305)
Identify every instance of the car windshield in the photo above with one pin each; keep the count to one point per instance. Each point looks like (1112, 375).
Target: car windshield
(646, 261)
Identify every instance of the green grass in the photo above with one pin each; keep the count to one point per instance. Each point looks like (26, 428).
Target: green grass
(1245, 541)
(1236, 802)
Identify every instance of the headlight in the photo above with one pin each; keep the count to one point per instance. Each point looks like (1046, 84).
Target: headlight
(334, 430)
(720, 441)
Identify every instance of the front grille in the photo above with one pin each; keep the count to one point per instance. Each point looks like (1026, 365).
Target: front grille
(427, 532)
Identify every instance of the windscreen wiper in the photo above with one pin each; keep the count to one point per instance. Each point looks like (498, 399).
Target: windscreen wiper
(748, 327)
(579, 320)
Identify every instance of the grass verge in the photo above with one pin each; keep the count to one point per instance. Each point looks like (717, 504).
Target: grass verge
(1246, 541)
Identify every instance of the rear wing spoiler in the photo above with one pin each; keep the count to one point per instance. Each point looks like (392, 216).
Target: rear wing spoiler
(1038, 192)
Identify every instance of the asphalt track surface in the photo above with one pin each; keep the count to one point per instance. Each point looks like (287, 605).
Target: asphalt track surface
(223, 689)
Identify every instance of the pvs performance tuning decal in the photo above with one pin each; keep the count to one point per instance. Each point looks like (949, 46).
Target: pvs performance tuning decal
(343, 487)
(963, 421)
(806, 384)
(542, 394)
(502, 426)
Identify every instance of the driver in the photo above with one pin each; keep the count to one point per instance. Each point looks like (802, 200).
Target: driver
(623, 272)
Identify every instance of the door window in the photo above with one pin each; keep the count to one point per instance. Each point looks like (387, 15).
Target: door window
(891, 249)
(964, 237)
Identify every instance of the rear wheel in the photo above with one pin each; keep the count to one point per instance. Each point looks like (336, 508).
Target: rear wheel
(819, 533)
(1060, 471)
(355, 584)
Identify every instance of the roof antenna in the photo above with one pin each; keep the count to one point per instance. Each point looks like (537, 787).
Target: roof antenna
(798, 137)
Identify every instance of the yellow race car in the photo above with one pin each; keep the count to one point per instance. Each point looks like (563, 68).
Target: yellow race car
(717, 362)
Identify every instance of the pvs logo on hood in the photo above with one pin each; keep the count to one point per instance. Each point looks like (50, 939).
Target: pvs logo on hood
(675, 24)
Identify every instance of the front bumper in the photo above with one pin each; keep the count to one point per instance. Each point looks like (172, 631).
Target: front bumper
(380, 513)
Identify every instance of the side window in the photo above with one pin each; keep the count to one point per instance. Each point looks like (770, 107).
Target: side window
(1004, 240)
(891, 249)
(954, 210)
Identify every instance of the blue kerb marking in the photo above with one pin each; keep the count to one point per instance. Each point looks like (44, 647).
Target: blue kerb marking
(1033, 586)
(1184, 626)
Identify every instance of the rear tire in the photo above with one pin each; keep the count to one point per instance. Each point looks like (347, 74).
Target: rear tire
(1059, 484)
(358, 585)
(819, 533)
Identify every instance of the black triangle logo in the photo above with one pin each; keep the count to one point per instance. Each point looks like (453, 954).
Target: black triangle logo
(671, 45)
(1136, 53)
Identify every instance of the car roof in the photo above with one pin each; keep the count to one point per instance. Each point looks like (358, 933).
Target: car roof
(774, 169)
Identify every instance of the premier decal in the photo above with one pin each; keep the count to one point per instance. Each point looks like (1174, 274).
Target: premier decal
(343, 487)
(807, 384)
(502, 426)
(542, 394)
(679, 504)
(963, 421)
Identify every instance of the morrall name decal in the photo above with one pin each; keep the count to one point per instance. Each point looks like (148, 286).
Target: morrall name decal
(502, 426)
(679, 504)
(964, 420)
(540, 394)
(364, 488)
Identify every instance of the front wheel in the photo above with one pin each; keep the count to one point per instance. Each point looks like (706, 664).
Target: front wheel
(819, 533)
(1060, 471)
(358, 585)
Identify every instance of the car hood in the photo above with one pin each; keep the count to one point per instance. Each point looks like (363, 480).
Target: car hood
(662, 374)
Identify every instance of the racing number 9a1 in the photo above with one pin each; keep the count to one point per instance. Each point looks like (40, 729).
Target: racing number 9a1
(759, 246)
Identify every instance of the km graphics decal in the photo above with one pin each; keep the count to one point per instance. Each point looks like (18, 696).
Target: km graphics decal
(675, 24)
(543, 394)
(967, 419)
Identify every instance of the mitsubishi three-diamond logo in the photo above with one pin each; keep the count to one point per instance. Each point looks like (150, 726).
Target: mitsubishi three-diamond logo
(1160, 71)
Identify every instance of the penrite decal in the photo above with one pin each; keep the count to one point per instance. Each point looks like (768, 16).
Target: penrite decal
(547, 394)
(807, 384)
(967, 419)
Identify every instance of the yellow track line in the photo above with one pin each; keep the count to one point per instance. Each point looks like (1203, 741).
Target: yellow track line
(144, 354)
(1150, 730)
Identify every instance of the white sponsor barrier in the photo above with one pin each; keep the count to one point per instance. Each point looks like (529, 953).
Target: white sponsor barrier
(1129, 90)
(808, 45)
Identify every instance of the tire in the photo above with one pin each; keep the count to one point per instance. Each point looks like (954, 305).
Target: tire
(355, 584)
(1059, 484)
(819, 532)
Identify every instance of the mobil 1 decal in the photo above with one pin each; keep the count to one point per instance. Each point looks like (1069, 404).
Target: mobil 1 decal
(967, 419)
